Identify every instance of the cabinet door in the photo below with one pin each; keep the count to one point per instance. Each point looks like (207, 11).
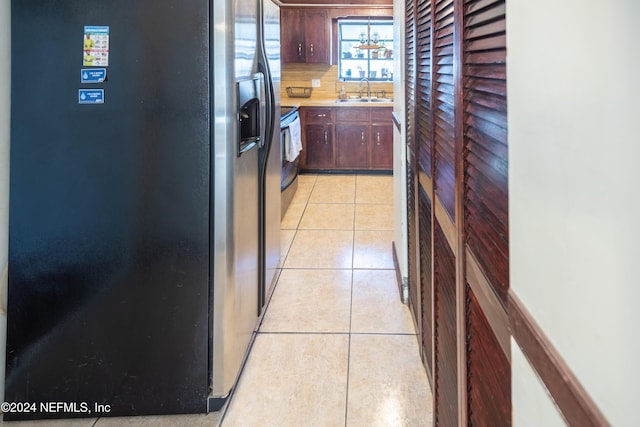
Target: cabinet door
(319, 141)
(292, 39)
(351, 141)
(316, 24)
(382, 146)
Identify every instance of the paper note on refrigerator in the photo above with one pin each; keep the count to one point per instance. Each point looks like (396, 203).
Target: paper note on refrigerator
(95, 50)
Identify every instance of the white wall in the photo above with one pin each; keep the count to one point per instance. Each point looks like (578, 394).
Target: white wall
(539, 410)
(399, 150)
(574, 188)
(5, 89)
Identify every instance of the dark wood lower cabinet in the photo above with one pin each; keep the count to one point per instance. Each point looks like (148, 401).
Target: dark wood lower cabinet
(353, 144)
(347, 138)
(382, 146)
(317, 138)
(319, 146)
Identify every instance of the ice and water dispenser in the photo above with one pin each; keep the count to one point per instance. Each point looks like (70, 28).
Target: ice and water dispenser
(250, 113)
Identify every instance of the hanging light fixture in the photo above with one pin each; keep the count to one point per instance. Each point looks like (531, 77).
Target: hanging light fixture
(369, 41)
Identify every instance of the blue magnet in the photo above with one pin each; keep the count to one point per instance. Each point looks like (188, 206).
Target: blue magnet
(93, 75)
(91, 96)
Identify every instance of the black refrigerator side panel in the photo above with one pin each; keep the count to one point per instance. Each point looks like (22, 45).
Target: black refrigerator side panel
(109, 210)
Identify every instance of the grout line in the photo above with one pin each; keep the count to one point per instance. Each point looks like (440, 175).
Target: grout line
(339, 268)
(301, 333)
(390, 334)
(353, 255)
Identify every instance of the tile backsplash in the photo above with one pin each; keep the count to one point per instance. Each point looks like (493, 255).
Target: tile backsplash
(300, 75)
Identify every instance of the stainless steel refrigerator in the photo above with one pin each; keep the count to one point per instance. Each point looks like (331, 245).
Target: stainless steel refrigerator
(144, 201)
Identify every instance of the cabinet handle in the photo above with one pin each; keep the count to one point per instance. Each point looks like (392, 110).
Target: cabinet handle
(326, 137)
(312, 49)
(362, 136)
(299, 49)
(321, 115)
(378, 136)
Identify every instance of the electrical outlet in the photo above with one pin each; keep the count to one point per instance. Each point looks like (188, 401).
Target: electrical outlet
(315, 82)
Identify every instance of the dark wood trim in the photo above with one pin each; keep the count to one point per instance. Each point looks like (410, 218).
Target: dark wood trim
(491, 305)
(431, 191)
(396, 121)
(574, 403)
(396, 266)
(461, 286)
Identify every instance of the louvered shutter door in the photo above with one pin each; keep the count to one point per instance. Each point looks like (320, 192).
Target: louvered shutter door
(423, 85)
(443, 105)
(457, 127)
(486, 165)
(486, 206)
(446, 366)
(426, 279)
(412, 205)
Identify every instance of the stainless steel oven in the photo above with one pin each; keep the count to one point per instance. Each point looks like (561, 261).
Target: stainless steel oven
(289, 171)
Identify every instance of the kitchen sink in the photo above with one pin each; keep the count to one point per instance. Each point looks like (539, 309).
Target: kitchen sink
(358, 100)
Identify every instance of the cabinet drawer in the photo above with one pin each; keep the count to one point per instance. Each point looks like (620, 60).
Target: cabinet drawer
(317, 115)
(353, 114)
(381, 115)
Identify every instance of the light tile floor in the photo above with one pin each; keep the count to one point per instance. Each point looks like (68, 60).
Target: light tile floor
(336, 346)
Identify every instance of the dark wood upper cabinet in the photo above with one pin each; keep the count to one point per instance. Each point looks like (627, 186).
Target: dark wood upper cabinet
(304, 36)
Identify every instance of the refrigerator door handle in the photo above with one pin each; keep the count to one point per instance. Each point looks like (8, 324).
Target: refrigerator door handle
(268, 98)
(265, 151)
(264, 109)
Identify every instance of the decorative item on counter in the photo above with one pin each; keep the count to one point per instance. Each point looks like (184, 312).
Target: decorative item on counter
(388, 53)
(361, 72)
(348, 72)
(372, 74)
(346, 55)
(374, 53)
(343, 93)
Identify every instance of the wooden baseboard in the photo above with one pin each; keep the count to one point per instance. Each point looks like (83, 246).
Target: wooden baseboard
(574, 403)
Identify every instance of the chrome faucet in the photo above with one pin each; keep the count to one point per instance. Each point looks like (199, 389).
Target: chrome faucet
(368, 88)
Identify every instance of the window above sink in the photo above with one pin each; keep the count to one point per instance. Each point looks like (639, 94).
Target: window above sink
(365, 49)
